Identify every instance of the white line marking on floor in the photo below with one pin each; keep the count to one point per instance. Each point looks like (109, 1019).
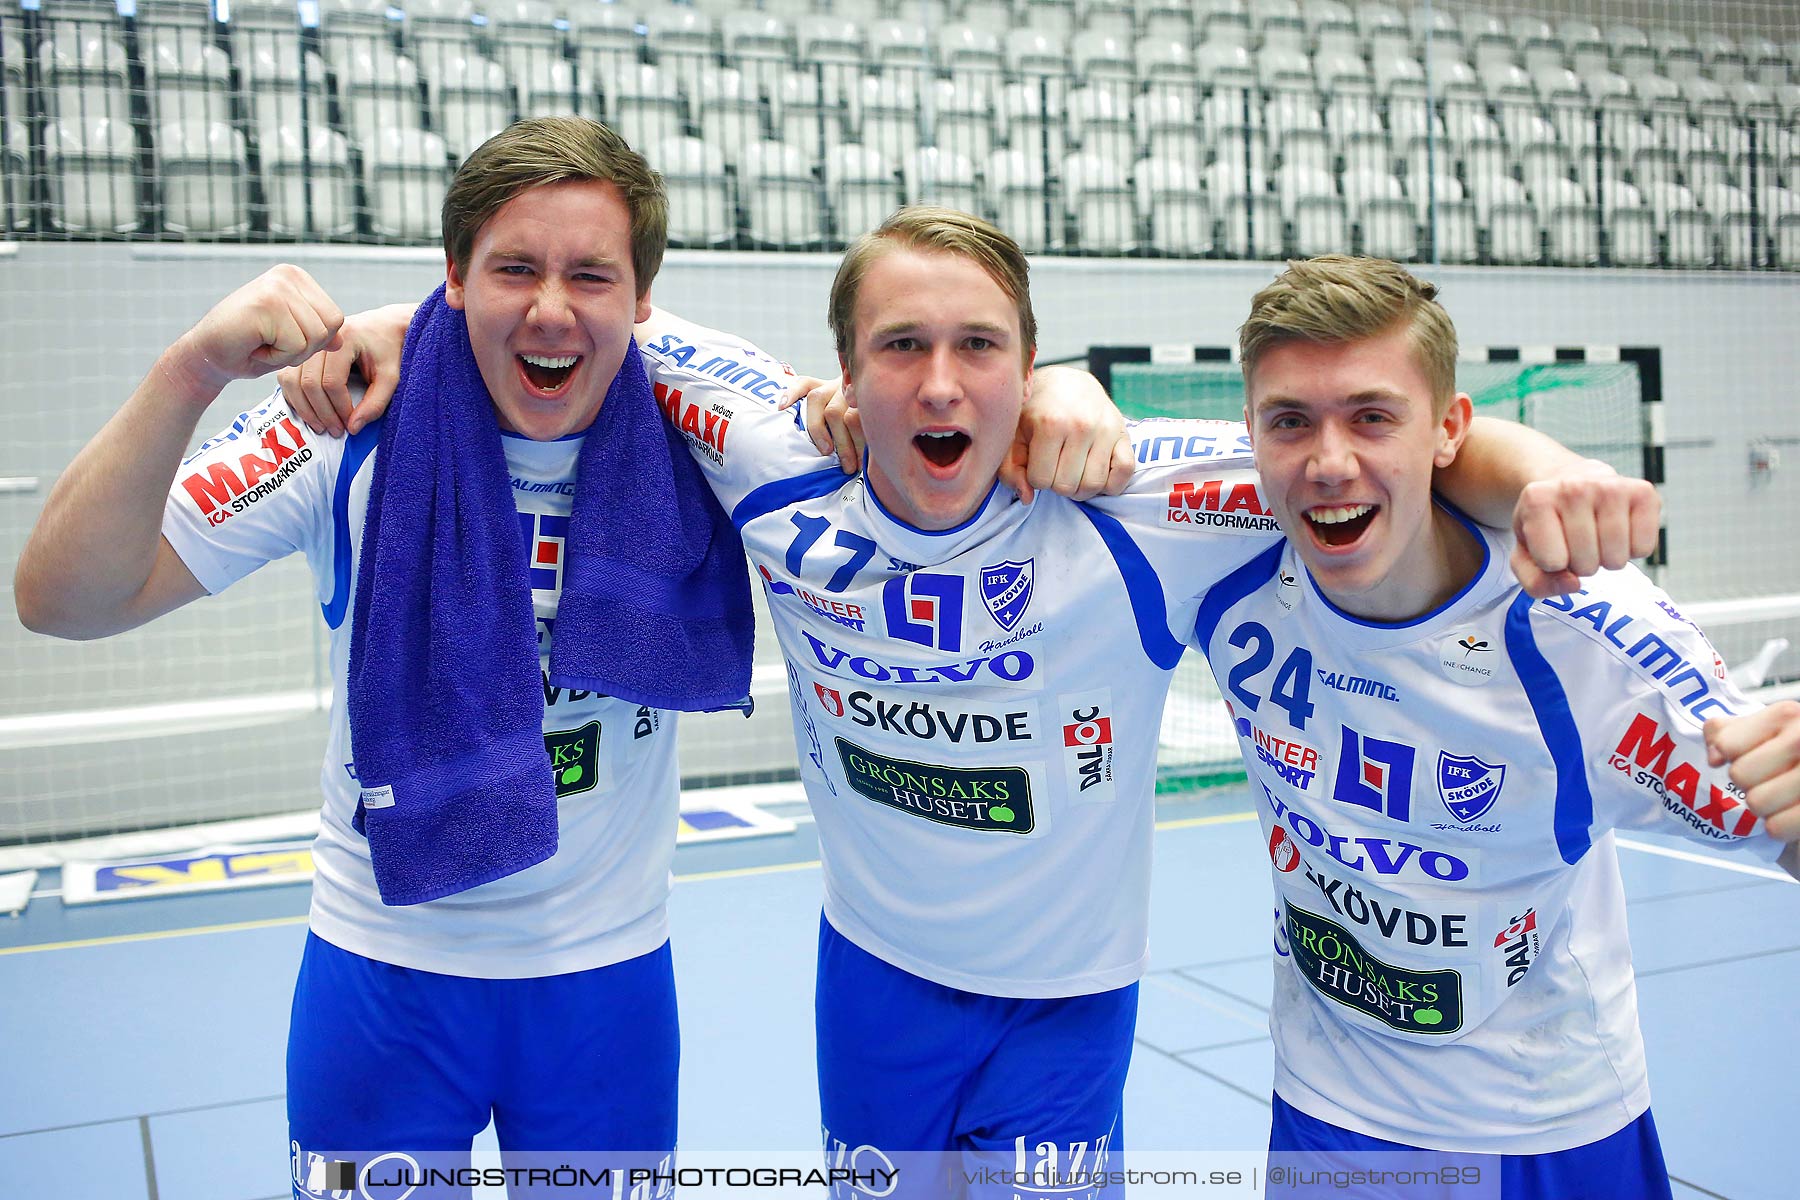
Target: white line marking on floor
(1707, 860)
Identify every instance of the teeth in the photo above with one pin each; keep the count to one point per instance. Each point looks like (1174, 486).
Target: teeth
(947, 433)
(1338, 515)
(539, 360)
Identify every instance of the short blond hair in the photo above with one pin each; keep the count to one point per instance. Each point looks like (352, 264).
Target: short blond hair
(545, 150)
(942, 231)
(1335, 298)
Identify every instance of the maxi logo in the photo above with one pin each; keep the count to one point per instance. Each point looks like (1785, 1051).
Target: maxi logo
(927, 722)
(926, 608)
(1519, 943)
(1210, 503)
(574, 758)
(985, 799)
(545, 538)
(1646, 755)
(704, 428)
(1654, 657)
(1391, 922)
(1293, 761)
(1467, 786)
(1380, 856)
(1374, 774)
(1337, 966)
(1012, 667)
(1087, 736)
(219, 492)
(1006, 590)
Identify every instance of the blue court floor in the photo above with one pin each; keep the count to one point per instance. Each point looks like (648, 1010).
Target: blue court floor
(141, 1044)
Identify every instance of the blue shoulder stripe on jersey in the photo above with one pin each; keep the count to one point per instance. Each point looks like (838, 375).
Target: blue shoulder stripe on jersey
(1234, 587)
(356, 452)
(783, 492)
(1574, 802)
(1142, 585)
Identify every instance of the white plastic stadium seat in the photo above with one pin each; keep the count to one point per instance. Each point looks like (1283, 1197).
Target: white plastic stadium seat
(965, 119)
(380, 91)
(1388, 230)
(407, 172)
(472, 101)
(1253, 227)
(700, 206)
(890, 115)
(1171, 198)
(1690, 238)
(1096, 196)
(205, 183)
(727, 110)
(1101, 123)
(1321, 226)
(862, 188)
(93, 176)
(933, 175)
(780, 196)
(645, 105)
(189, 78)
(1016, 188)
(308, 183)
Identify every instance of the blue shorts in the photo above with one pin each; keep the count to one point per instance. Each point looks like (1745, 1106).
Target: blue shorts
(1625, 1166)
(910, 1065)
(383, 1058)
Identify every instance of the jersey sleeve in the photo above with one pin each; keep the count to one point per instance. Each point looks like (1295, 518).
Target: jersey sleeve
(258, 491)
(721, 392)
(1193, 509)
(1641, 682)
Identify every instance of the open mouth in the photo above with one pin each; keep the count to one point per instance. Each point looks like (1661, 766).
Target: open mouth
(942, 449)
(1342, 524)
(548, 375)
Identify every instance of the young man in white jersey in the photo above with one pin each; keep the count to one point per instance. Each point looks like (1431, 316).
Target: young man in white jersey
(976, 690)
(1440, 762)
(537, 992)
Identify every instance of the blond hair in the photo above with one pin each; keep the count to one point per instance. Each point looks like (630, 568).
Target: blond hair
(1335, 299)
(942, 231)
(543, 150)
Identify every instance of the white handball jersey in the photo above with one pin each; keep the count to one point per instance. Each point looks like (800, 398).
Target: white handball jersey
(266, 488)
(1438, 799)
(976, 710)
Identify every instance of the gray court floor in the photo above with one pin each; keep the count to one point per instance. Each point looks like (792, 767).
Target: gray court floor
(141, 1044)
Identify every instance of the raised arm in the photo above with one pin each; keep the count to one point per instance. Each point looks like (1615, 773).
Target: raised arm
(1763, 749)
(318, 390)
(96, 562)
(1572, 516)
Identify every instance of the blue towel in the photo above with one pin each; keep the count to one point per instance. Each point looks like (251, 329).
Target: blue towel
(445, 699)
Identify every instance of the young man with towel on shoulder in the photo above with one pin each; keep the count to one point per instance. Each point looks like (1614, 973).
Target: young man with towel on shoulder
(488, 938)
